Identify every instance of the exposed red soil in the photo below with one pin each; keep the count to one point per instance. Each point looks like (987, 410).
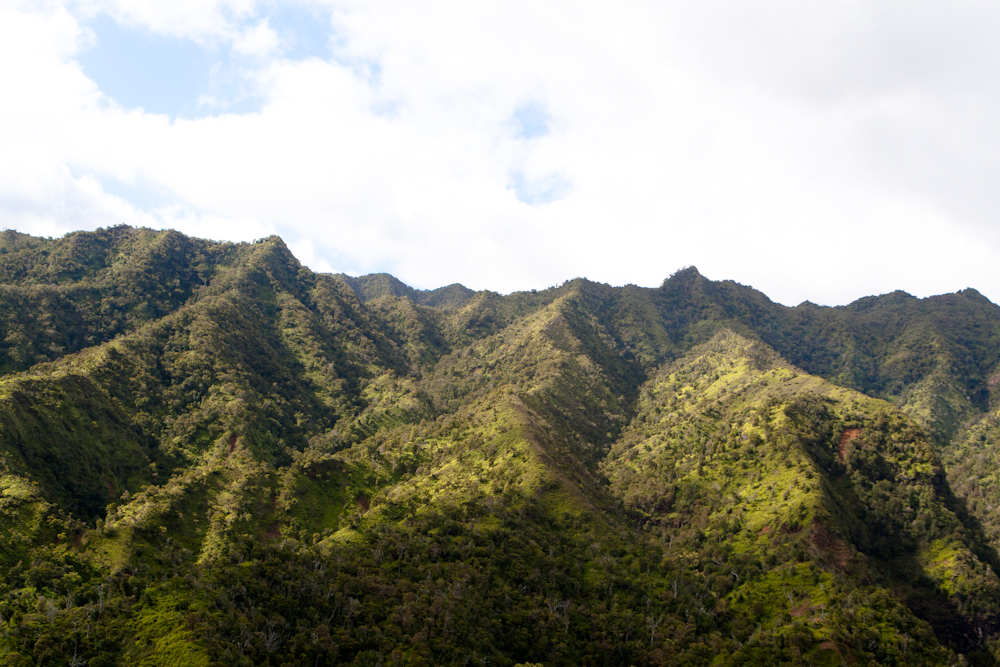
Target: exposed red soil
(765, 530)
(362, 501)
(232, 443)
(848, 435)
(802, 609)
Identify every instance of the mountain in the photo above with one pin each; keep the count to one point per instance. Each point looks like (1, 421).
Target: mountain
(210, 454)
(379, 285)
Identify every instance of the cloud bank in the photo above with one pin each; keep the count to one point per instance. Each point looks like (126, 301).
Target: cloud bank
(821, 153)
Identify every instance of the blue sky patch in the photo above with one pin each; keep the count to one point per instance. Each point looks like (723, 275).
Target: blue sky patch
(538, 191)
(181, 78)
(139, 69)
(531, 120)
(304, 33)
(143, 196)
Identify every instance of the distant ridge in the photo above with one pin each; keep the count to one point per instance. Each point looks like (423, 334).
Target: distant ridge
(377, 285)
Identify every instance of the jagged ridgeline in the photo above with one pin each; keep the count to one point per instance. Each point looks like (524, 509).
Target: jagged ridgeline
(210, 455)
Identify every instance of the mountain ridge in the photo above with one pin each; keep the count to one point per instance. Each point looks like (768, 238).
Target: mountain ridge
(211, 455)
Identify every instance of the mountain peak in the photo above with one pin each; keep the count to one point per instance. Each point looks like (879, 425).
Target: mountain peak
(684, 274)
(377, 285)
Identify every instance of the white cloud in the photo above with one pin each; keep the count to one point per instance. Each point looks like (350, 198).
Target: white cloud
(815, 153)
(204, 21)
(258, 40)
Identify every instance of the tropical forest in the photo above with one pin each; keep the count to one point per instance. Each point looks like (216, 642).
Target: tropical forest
(212, 455)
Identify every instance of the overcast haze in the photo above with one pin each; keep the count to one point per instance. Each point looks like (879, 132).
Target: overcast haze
(820, 151)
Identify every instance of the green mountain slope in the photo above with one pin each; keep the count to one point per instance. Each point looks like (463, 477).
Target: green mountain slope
(212, 455)
(932, 357)
(745, 460)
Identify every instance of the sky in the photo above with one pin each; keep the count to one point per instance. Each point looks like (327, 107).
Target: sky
(816, 151)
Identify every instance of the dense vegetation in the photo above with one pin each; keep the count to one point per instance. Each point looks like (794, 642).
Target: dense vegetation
(210, 455)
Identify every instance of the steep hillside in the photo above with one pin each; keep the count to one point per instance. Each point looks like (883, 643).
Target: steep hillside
(212, 455)
(747, 461)
(932, 357)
